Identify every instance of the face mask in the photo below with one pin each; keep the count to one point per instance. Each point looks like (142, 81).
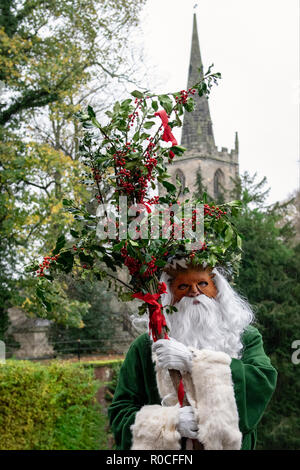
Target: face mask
(191, 283)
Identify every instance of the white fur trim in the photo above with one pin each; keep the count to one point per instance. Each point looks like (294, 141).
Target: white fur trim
(210, 392)
(216, 409)
(165, 385)
(155, 428)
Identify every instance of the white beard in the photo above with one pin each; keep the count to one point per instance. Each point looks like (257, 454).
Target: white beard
(197, 325)
(215, 324)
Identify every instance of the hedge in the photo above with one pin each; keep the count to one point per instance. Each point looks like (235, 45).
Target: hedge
(49, 407)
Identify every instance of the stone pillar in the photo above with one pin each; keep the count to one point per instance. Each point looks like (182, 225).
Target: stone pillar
(31, 334)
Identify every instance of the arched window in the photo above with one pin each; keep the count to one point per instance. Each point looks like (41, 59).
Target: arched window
(219, 184)
(180, 175)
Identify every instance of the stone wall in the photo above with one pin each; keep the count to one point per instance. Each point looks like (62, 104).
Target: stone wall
(189, 166)
(124, 331)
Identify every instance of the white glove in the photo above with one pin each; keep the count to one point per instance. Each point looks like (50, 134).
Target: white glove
(187, 424)
(172, 354)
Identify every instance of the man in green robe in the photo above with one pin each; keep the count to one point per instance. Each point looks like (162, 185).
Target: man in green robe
(227, 377)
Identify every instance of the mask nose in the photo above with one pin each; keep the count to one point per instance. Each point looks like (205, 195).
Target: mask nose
(194, 291)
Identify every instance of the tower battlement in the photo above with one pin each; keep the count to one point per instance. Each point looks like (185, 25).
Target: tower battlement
(225, 154)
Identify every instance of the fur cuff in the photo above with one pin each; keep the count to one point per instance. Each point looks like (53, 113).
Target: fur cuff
(218, 420)
(155, 428)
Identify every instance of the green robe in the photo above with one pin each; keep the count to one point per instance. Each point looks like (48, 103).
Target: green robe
(253, 376)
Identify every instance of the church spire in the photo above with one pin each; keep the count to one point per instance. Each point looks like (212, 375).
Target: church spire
(236, 143)
(197, 133)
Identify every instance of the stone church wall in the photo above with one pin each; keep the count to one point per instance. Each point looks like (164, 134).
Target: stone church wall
(208, 166)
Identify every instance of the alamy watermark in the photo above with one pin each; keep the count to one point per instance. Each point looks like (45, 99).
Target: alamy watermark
(296, 354)
(158, 221)
(2, 352)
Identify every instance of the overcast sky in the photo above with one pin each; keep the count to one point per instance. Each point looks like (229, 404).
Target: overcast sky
(255, 46)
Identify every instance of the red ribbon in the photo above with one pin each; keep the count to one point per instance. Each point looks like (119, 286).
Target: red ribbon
(167, 135)
(157, 319)
(180, 393)
(148, 208)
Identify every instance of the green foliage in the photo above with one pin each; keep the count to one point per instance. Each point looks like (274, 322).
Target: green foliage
(267, 243)
(269, 278)
(280, 326)
(50, 52)
(82, 429)
(98, 322)
(51, 301)
(50, 49)
(263, 248)
(102, 362)
(111, 386)
(49, 407)
(200, 188)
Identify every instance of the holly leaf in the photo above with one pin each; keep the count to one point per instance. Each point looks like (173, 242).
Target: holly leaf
(154, 105)
(125, 103)
(67, 202)
(40, 292)
(189, 105)
(142, 309)
(137, 94)
(178, 150)
(133, 243)
(66, 260)
(136, 136)
(239, 242)
(31, 268)
(118, 246)
(126, 296)
(149, 124)
(109, 262)
(178, 120)
(228, 235)
(166, 103)
(86, 258)
(61, 241)
(74, 233)
(169, 186)
(91, 112)
(160, 263)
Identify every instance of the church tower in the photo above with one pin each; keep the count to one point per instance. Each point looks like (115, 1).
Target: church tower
(202, 157)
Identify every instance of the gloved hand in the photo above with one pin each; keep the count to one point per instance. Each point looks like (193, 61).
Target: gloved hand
(172, 354)
(187, 424)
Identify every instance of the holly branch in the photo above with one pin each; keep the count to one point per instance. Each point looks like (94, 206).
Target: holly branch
(125, 157)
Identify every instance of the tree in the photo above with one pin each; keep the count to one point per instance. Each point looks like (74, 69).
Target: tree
(269, 278)
(51, 48)
(98, 321)
(292, 214)
(200, 187)
(50, 51)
